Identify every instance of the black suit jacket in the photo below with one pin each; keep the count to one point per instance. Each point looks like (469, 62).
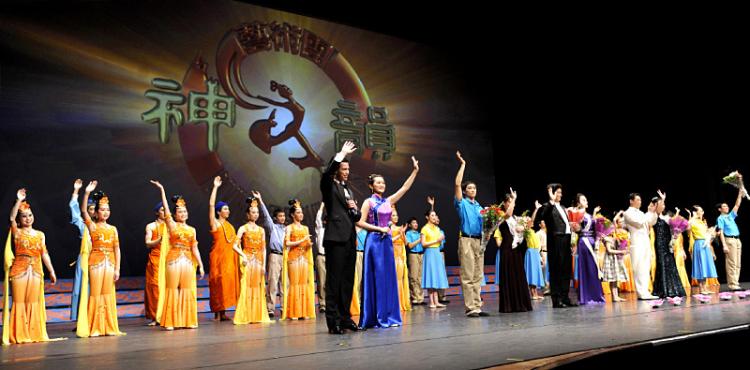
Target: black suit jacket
(552, 219)
(339, 221)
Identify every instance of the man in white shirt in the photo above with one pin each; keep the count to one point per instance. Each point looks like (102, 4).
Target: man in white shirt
(638, 223)
(320, 260)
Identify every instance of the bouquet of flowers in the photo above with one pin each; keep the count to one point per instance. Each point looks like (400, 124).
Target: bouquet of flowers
(622, 239)
(678, 224)
(575, 216)
(734, 180)
(603, 226)
(492, 216)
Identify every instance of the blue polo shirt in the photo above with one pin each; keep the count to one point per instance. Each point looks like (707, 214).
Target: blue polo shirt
(469, 217)
(727, 225)
(414, 236)
(361, 236)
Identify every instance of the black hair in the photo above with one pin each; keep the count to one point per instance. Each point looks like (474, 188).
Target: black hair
(371, 180)
(249, 202)
(466, 184)
(277, 211)
(632, 196)
(96, 196)
(718, 206)
(577, 199)
(655, 200)
(292, 207)
(554, 186)
(174, 200)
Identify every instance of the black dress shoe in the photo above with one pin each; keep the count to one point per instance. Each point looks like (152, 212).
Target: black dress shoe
(570, 304)
(444, 301)
(336, 330)
(559, 305)
(483, 314)
(322, 310)
(353, 327)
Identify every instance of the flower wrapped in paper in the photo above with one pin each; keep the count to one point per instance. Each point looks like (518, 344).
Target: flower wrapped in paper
(735, 180)
(575, 215)
(622, 239)
(678, 225)
(603, 226)
(492, 216)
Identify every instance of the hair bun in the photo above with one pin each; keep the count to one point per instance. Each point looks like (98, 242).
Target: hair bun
(175, 198)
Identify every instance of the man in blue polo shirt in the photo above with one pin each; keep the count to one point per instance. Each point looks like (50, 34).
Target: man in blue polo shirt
(415, 261)
(729, 235)
(470, 253)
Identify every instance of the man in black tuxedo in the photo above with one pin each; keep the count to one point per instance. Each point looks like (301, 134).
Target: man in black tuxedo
(339, 241)
(559, 253)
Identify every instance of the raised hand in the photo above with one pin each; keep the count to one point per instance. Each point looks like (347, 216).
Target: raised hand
(217, 181)
(77, 185)
(551, 195)
(91, 186)
(430, 201)
(513, 193)
(157, 184)
(460, 159)
(415, 163)
(348, 148)
(537, 205)
(597, 209)
(662, 195)
(21, 194)
(256, 194)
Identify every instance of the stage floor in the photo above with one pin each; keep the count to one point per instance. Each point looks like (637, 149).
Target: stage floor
(436, 339)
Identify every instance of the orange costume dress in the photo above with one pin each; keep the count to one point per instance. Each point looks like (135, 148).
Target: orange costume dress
(151, 292)
(178, 301)
(26, 320)
(97, 315)
(224, 274)
(402, 271)
(297, 276)
(251, 305)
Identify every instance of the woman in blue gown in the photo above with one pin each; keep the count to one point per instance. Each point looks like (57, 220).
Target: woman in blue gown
(380, 304)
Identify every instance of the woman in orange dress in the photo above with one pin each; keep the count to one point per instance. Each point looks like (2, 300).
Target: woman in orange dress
(26, 320)
(154, 232)
(97, 314)
(251, 247)
(178, 300)
(399, 254)
(297, 276)
(224, 273)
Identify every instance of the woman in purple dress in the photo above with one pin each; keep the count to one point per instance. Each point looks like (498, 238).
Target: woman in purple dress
(589, 275)
(380, 304)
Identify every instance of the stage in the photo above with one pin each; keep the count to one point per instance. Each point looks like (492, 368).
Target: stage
(436, 339)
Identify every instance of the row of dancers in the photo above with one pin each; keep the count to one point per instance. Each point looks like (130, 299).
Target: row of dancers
(393, 263)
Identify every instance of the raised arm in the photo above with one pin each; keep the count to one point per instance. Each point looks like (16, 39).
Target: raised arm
(333, 166)
(213, 223)
(537, 205)
(458, 192)
(75, 208)
(431, 202)
(407, 184)
(20, 197)
(86, 218)
(167, 214)
(267, 220)
(740, 194)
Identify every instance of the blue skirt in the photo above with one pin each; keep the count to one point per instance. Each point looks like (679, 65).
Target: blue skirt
(433, 273)
(380, 304)
(497, 267)
(703, 261)
(533, 267)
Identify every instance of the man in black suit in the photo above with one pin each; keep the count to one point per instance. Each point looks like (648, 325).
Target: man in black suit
(559, 253)
(339, 241)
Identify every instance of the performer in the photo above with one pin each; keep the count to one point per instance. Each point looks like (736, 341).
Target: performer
(276, 228)
(26, 320)
(666, 278)
(559, 251)
(380, 304)
(77, 220)
(154, 233)
(416, 261)
(100, 261)
(638, 224)
(341, 214)
(614, 271)
(250, 245)
(223, 277)
(320, 259)
(729, 235)
(589, 275)
(441, 292)
(541, 235)
(178, 300)
(297, 277)
(434, 276)
(533, 259)
(513, 289)
(703, 253)
(470, 252)
(399, 254)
